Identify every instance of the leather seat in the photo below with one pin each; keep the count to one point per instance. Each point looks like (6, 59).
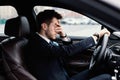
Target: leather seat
(13, 49)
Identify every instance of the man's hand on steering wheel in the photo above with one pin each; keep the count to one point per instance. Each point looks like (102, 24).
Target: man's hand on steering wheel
(99, 52)
(100, 34)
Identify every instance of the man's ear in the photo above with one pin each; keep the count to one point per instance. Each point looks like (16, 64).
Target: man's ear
(44, 26)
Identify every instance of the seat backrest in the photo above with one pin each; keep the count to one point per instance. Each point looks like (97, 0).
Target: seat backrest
(13, 48)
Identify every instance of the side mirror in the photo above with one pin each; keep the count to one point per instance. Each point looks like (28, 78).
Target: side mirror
(117, 34)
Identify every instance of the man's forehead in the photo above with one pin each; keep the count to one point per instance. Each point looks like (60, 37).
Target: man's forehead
(55, 20)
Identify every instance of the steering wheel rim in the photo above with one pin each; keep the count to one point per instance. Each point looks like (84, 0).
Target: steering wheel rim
(99, 53)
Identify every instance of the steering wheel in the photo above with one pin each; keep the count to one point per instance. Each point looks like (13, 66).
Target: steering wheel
(99, 53)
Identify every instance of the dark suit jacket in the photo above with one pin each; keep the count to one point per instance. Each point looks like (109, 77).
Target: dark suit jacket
(44, 61)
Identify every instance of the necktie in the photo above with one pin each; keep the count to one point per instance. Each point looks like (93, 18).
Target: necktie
(53, 43)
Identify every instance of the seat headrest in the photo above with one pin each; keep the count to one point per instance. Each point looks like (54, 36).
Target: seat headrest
(17, 27)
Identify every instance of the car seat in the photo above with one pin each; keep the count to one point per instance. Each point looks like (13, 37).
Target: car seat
(13, 49)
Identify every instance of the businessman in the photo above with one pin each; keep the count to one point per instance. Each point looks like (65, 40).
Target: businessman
(45, 57)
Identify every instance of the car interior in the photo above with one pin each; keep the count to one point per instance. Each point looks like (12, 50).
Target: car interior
(18, 28)
(13, 49)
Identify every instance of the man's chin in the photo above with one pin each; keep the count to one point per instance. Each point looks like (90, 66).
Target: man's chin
(53, 39)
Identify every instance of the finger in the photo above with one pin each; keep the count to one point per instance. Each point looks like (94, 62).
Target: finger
(58, 30)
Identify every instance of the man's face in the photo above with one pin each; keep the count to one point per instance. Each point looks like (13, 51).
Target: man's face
(51, 32)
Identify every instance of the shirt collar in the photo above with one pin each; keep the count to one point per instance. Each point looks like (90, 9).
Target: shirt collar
(46, 39)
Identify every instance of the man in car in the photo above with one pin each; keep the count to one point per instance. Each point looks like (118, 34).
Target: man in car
(45, 57)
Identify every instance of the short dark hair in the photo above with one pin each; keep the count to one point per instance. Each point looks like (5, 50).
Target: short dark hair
(46, 16)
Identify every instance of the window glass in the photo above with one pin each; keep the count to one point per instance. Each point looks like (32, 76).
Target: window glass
(6, 12)
(74, 24)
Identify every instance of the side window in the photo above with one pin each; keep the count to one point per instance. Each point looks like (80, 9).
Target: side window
(74, 24)
(6, 12)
